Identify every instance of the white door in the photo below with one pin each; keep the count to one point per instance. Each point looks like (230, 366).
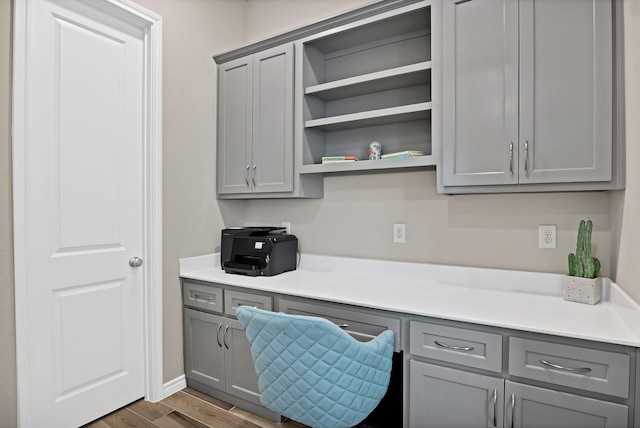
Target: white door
(83, 219)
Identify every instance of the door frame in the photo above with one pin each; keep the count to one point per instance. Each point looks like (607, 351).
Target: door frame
(151, 24)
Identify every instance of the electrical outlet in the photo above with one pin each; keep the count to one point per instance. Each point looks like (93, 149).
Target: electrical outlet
(287, 225)
(547, 236)
(398, 233)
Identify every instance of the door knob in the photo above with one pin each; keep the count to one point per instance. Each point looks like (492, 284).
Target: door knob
(135, 262)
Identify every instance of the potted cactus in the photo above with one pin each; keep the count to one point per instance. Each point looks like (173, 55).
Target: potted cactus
(583, 284)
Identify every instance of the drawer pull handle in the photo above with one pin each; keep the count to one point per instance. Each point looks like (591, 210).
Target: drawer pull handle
(566, 369)
(454, 348)
(197, 297)
(343, 326)
(495, 407)
(218, 335)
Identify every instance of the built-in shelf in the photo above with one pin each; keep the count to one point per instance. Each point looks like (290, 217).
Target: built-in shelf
(369, 165)
(395, 78)
(363, 119)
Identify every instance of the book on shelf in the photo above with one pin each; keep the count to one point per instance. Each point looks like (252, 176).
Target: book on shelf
(403, 154)
(334, 159)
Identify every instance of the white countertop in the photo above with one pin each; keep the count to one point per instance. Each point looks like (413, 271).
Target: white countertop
(528, 301)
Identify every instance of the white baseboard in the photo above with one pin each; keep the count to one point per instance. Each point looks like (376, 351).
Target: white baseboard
(174, 386)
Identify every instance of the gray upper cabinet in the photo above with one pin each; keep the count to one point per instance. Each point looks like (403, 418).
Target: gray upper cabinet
(528, 100)
(255, 123)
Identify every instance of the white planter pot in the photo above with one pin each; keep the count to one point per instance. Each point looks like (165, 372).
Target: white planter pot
(582, 290)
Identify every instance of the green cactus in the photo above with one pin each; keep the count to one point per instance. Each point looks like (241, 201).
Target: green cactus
(581, 263)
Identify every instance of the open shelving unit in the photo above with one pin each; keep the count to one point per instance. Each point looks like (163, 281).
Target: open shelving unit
(364, 82)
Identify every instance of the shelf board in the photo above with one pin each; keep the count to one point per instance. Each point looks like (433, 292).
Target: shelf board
(364, 119)
(369, 165)
(394, 78)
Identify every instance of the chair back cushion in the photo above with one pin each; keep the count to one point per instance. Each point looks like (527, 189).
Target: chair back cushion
(312, 371)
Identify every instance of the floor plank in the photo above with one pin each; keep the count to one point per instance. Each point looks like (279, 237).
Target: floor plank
(125, 418)
(178, 420)
(201, 395)
(205, 412)
(149, 410)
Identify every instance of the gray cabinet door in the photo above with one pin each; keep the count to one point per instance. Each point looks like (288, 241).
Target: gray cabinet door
(566, 91)
(241, 377)
(442, 397)
(272, 167)
(235, 141)
(480, 92)
(203, 353)
(539, 407)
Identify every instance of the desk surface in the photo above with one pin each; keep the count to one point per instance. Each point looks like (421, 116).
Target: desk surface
(528, 301)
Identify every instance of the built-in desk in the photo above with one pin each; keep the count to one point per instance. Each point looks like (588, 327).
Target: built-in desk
(496, 327)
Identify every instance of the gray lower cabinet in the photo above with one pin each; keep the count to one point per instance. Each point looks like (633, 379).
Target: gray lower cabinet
(530, 406)
(217, 354)
(453, 374)
(442, 397)
(203, 353)
(528, 101)
(255, 123)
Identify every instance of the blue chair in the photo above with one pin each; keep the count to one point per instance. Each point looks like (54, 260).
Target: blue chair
(311, 371)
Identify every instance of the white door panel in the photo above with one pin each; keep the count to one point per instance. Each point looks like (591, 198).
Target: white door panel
(84, 210)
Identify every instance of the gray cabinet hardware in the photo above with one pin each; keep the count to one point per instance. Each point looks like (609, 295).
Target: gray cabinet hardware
(511, 158)
(218, 335)
(495, 406)
(565, 369)
(224, 336)
(454, 348)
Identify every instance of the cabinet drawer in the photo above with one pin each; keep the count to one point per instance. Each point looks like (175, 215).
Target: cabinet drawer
(456, 345)
(360, 325)
(234, 299)
(579, 367)
(202, 296)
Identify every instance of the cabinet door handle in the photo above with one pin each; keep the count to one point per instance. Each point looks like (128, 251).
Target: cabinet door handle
(526, 158)
(218, 335)
(513, 408)
(224, 336)
(343, 326)
(565, 369)
(253, 175)
(511, 158)
(246, 176)
(495, 407)
(454, 348)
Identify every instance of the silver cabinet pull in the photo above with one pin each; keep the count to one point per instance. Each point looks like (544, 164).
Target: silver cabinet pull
(511, 158)
(513, 408)
(218, 335)
(246, 176)
(343, 326)
(135, 262)
(253, 174)
(224, 336)
(454, 348)
(526, 158)
(495, 407)
(565, 369)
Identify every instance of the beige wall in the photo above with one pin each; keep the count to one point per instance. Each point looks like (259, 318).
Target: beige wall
(626, 204)
(8, 400)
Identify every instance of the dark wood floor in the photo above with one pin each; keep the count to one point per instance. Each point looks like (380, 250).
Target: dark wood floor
(185, 409)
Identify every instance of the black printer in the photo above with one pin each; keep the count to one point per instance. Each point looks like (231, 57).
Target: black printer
(258, 251)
